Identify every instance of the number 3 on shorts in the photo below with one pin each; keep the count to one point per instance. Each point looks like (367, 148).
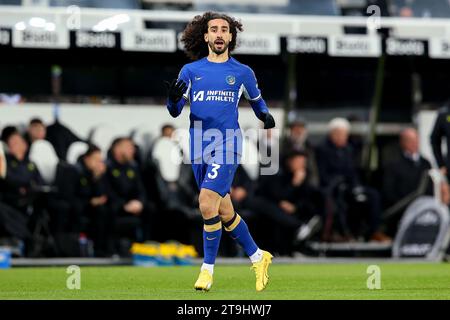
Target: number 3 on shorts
(213, 174)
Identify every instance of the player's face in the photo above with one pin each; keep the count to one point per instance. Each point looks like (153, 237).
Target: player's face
(218, 36)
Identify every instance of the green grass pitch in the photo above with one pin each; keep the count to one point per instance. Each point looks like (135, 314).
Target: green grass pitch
(304, 281)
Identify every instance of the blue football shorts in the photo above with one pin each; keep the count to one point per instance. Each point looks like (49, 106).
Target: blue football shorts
(215, 177)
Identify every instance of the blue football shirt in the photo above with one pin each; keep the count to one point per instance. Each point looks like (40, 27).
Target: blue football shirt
(214, 90)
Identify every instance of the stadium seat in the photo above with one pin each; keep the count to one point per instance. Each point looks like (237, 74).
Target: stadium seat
(44, 156)
(183, 141)
(313, 7)
(303, 7)
(144, 139)
(174, 178)
(11, 2)
(250, 158)
(113, 4)
(67, 3)
(117, 4)
(422, 8)
(75, 150)
(168, 157)
(103, 135)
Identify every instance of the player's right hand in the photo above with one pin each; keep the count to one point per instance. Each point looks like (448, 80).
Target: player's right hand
(175, 90)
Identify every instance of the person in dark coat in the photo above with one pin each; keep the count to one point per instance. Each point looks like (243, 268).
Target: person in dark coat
(83, 198)
(21, 188)
(340, 181)
(441, 129)
(296, 207)
(297, 141)
(22, 180)
(93, 195)
(127, 193)
(404, 175)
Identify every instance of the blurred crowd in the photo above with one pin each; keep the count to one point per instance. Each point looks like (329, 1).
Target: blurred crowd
(105, 200)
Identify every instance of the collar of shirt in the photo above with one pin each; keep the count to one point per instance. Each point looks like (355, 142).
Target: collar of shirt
(413, 156)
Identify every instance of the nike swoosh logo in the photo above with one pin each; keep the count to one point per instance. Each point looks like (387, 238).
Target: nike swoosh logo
(211, 238)
(198, 78)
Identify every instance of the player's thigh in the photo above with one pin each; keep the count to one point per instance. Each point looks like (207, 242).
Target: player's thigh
(226, 209)
(219, 178)
(209, 203)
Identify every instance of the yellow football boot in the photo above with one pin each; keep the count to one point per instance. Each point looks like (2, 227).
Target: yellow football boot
(261, 270)
(204, 281)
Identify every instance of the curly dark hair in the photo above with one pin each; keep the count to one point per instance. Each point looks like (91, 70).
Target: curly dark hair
(193, 36)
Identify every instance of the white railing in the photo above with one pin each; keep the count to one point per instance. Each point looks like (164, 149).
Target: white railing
(290, 24)
(49, 28)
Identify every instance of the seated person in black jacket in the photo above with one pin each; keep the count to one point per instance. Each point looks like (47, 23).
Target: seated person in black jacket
(80, 205)
(20, 189)
(403, 176)
(296, 207)
(340, 181)
(127, 192)
(92, 195)
(22, 180)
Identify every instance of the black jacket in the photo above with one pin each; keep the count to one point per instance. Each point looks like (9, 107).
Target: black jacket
(305, 197)
(77, 185)
(441, 129)
(336, 163)
(402, 177)
(125, 183)
(22, 178)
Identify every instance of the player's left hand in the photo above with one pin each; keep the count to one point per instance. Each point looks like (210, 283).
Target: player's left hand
(269, 121)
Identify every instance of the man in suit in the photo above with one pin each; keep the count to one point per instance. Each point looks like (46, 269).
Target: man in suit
(404, 175)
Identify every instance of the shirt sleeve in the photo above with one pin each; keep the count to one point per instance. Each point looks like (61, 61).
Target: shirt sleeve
(253, 94)
(176, 108)
(436, 138)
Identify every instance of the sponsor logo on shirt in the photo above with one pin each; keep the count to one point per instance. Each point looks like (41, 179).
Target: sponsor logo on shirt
(214, 95)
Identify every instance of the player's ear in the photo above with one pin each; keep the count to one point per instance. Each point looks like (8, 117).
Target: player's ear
(206, 37)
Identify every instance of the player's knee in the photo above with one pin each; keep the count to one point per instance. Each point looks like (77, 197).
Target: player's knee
(207, 210)
(226, 216)
(207, 206)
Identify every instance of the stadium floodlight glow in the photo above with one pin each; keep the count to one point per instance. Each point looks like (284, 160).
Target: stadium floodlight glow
(37, 22)
(111, 23)
(120, 18)
(20, 26)
(50, 26)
